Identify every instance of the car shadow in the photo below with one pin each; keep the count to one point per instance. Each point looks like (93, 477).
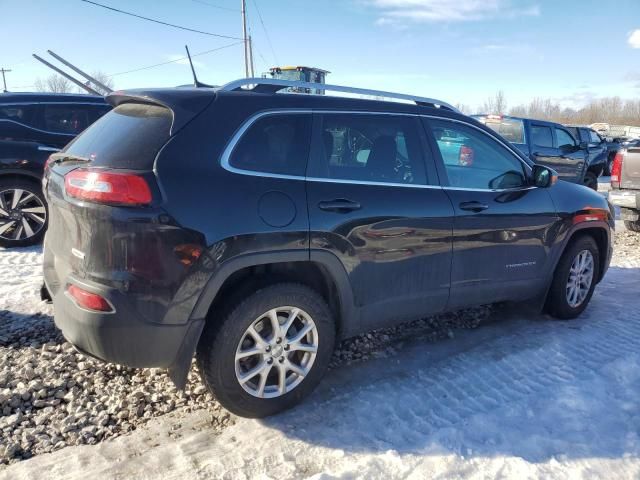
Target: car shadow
(523, 385)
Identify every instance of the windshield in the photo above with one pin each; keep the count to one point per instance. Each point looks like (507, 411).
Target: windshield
(510, 128)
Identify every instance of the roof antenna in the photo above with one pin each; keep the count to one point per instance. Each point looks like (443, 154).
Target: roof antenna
(196, 83)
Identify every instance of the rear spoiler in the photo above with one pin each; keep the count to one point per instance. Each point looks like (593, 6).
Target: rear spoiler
(184, 104)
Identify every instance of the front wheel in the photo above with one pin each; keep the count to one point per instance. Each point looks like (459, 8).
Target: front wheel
(632, 225)
(574, 279)
(270, 352)
(23, 213)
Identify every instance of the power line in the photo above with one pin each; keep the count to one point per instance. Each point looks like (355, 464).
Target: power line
(161, 22)
(176, 60)
(265, 32)
(217, 6)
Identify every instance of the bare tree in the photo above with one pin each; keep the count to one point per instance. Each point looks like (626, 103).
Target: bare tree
(495, 104)
(53, 83)
(463, 108)
(102, 78)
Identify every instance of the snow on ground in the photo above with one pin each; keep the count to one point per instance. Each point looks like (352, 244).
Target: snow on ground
(521, 397)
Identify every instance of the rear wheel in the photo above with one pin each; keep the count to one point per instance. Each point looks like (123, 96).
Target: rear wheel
(633, 225)
(590, 180)
(574, 279)
(23, 213)
(270, 352)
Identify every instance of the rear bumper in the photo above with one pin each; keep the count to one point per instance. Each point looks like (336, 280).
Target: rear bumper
(120, 337)
(625, 198)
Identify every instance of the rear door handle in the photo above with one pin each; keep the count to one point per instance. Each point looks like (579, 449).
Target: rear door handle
(473, 206)
(339, 205)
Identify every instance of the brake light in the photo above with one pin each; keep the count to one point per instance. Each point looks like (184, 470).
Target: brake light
(105, 186)
(88, 300)
(616, 170)
(465, 157)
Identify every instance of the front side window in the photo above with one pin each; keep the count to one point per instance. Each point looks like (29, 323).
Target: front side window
(472, 159)
(369, 147)
(564, 138)
(276, 144)
(541, 136)
(594, 137)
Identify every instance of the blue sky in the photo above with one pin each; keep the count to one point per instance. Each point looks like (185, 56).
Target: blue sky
(460, 51)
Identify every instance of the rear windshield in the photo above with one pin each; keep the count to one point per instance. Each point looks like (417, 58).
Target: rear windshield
(129, 136)
(510, 128)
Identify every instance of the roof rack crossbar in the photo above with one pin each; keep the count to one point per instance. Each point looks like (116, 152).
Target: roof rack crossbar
(268, 85)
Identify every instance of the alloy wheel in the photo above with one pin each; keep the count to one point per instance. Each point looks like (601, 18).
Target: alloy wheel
(22, 214)
(580, 278)
(276, 352)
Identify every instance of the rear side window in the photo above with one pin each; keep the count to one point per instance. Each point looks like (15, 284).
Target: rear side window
(594, 137)
(129, 136)
(368, 147)
(276, 144)
(24, 114)
(70, 119)
(541, 136)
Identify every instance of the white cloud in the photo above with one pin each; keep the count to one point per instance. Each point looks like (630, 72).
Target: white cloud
(634, 39)
(423, 11)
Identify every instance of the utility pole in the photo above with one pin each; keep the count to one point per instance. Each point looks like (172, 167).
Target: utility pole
(244, 37)
(4, 80)
(251, 58)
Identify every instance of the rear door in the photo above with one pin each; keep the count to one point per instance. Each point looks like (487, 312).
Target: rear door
(501, 226)
(376, 206)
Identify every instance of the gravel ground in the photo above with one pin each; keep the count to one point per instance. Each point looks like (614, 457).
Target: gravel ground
(51, 396)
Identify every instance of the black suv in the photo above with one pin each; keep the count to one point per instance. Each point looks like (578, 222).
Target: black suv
(32, 126)
(255, 228)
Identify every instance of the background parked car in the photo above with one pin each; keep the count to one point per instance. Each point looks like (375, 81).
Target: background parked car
(545, 143)
(625, 185)
(597, 153)
(32, 126)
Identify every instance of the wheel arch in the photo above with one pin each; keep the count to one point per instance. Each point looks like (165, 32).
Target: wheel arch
(321, 271)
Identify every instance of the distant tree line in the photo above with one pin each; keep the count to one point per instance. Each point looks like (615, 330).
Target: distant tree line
(59, 84)
(614, 110)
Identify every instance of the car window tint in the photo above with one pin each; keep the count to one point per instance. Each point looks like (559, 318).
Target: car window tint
(564, 138)
(370, 148)
(18, 113)
(69, 119)
(473, 159)
(275, 144)
(541, 136)
(594, 138)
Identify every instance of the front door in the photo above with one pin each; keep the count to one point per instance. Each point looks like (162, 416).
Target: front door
(501, 227)
(375, 204)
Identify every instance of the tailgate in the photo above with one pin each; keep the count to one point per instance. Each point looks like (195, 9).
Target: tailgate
(630, 176)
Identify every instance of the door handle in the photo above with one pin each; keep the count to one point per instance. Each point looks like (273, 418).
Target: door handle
(473, 206)
(339, 205)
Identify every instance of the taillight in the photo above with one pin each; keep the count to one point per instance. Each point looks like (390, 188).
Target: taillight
(88, 300)
(107, 186)
(616, 170)
(465, 157)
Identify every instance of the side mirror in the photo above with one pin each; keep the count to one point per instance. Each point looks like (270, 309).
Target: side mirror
(544, 177)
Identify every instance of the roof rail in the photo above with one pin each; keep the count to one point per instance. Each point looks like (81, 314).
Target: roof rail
(269, 85)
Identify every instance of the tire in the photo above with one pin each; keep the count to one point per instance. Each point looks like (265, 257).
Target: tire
(558, 301)
(219, 345)
(19, 228)
(590, 180)
(632, 225)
